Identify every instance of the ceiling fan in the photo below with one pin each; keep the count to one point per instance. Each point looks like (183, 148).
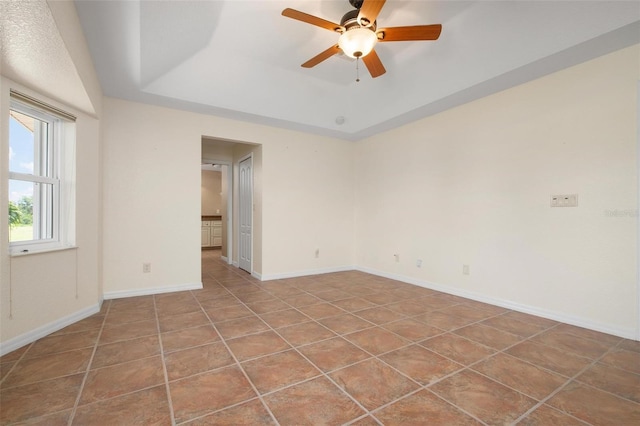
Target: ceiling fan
(359, 34)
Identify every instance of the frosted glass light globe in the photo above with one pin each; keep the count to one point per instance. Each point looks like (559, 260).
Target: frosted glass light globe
(358, 42)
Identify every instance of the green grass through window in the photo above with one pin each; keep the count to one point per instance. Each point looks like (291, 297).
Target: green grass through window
(21, 233)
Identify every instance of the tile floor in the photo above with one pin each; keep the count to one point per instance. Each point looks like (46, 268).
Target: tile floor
(330, 349)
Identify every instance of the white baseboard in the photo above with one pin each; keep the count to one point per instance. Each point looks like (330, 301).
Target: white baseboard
(269, 277)
(150, 291)
(224, 259)
(626, 333)
(40, 332)
(236, 264)
(257, 275)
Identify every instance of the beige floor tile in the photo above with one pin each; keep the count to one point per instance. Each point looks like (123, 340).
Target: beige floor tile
(421, 364)
(521, 376)
(623, 359)
(205, 393)
(332, 354)
(255, 345)
(571, 343)
(149, 406)
(488, 336)
(241, 327)
(133, 330)
(273, 372)
(423, 408)
(246, 414)
(38, 399)
(409, 354)
(458, 348)
(343, 324)
(551, 358)
(545, 415)
(376, 340)
(620, 382)
(48, 367)
(126, 350)
(116, 380)
(595, 406)
(412, 329)
(314, 402)
(483, 398)
(188, 337)
(199, 359)
(62, 343)
(305, 333)
(284, 318)
(373, 383)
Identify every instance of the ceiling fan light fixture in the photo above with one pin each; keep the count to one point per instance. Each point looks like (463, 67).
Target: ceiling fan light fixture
(357, 42)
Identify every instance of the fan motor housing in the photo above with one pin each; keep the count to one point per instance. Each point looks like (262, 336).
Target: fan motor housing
(350, 21)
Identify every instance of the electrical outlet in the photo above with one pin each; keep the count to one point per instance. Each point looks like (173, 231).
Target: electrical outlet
(566, 200)
(465, 269)
(146, 268)
(397, 257)
(419, 263)
(317, 253)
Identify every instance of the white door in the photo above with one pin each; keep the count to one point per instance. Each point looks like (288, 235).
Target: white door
(245, 204)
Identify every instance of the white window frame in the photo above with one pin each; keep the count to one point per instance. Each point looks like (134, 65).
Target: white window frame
(49, 232)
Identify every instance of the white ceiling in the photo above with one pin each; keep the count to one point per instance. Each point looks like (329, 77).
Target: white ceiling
(241, 58)
(34, 54)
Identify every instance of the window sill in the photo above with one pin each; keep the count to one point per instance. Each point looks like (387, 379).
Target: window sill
(28, 252)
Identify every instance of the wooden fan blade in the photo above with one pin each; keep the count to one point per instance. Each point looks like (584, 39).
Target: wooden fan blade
(417, 32)
(370, 10)
(321, 57)
(374, 64)
(313, 20)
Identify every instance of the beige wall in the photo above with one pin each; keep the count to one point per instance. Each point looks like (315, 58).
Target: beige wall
(40, 293)
(468, 186)
(472, 186)
(211, 190)
(152, 156)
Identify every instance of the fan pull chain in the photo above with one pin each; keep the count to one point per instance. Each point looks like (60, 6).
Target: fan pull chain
(358, 69)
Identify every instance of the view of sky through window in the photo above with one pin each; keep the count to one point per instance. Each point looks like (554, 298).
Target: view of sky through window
(21, 156)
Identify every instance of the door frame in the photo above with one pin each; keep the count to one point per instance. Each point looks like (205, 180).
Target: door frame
(229, 165)
(636, 212)
(240, 160)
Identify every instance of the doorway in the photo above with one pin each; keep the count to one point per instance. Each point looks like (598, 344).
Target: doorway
(216, 206)
(232, 153)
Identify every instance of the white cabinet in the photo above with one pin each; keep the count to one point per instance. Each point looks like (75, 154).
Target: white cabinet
(212, 232)
(206, 236)
(216, 233)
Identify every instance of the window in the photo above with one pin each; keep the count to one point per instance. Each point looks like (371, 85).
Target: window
(41, 150)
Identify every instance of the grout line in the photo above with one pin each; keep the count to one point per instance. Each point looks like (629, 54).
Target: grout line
(15, 363)
(364, 417)
(293, 347)
(567, 382)
(164, 364)
(88, 370)
(236, 284)
(239, 366)
(381, 326)
(378, 358)
(202, 416)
